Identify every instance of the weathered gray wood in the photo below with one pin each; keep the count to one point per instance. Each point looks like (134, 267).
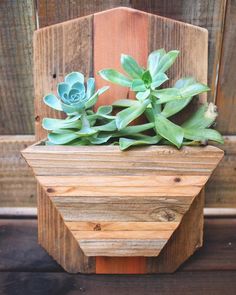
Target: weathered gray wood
(17, 23)
(17, 184)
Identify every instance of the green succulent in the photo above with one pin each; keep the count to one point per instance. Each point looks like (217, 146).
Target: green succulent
(158, 105)
(73, 95)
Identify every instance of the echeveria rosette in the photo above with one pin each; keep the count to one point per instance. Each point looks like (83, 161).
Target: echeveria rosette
(74, 97)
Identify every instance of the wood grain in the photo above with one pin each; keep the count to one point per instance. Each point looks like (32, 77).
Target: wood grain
(17, 23)
(20, 250)
(220, 190)
(209, 14)
(90, 200)
(142, 25)
(57, 53)
(55, 11)
(17, 184)
(128, 30)
(58, 240)
(226, 96)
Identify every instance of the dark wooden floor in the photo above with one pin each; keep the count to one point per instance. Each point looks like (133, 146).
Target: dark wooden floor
(25, 268)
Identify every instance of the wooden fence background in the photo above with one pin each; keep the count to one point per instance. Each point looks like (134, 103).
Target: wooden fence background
(18, 20)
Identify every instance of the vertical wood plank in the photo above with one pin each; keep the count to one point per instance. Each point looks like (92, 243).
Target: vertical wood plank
(59, 50)
(54, 11)
(129, 32)
(17, 23)
(226, 94)
(208, 14)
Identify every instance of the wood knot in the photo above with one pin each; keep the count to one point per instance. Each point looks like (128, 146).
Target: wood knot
(177, 179)
(37, 119)
(164, 214)
(50, 190)
(97, 227)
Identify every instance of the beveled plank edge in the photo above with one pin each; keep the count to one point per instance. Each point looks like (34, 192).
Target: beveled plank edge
(127, 9)
(118, 226)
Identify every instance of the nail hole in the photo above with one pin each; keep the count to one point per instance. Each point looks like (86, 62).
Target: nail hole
(37, 118)
(177, 179)
(97, 227)
(54, 76)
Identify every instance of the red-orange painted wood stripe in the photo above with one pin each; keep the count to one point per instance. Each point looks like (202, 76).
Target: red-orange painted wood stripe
(128, 34)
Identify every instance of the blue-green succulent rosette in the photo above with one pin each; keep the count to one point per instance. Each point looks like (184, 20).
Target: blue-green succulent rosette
(74, 97)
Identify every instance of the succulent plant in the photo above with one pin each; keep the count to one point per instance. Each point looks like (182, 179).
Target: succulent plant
(74, 96)
(83, 126)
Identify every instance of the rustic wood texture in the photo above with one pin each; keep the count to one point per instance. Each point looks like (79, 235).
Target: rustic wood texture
(199, 283)
(18, 188)
(17, 23)
(209, 14)
(58, 240)
(226, 95)
(88, 199)
(17, 184)
(127, 31)
(144, 25)
(220, 190)
(20, 250)
(206, 272)
(59, 50)
(55, 11)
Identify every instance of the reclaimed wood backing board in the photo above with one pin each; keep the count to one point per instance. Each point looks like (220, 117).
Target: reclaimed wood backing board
(88, 44)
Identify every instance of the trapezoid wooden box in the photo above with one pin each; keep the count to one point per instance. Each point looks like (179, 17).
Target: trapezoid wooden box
(101, 210)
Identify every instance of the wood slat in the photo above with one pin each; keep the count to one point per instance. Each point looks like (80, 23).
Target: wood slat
(226, 96)
(20, 250)
(55, 11)
(221, 188)
(17, 23)
(204, 283)
(17, 183)
(57, 53)
(120, 226)
(209, 14)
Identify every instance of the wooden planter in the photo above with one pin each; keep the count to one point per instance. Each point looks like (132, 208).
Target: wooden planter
(101, 210)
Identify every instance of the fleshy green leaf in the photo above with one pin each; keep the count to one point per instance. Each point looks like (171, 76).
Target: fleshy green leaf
(193, 89)
(147, 78)
(85, 130)
(63, 90)
(52, 101)
(138, 85)
(104, 110)
(125, 143)
(204, 117)
(167, 60)
(143, 95)
(56, 138)
(74, 77)
(90, 87)
(166, 95)
(111, 126)
(173, 107)
(158, 80)
(100, 138)
(131, 66)
(51, 124)
(129, 114)
(115, 77)
(203, 134)
(123, 103)
(153, 61)
(94, 98)
(169, 130)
